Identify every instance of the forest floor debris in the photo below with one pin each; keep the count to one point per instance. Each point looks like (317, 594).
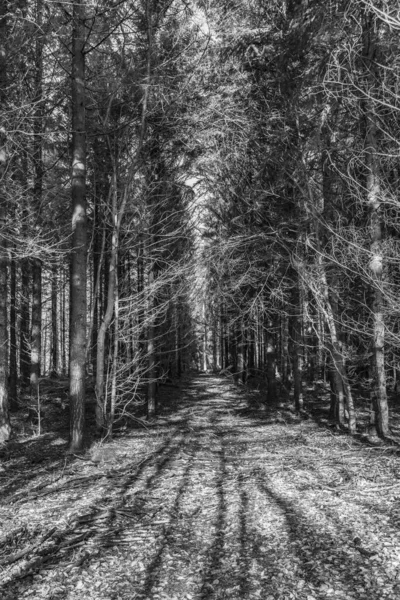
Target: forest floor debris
(216, 498)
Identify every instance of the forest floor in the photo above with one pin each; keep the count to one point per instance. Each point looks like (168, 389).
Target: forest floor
(218, 497)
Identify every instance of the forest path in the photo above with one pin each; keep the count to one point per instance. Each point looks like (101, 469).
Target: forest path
(218, 498)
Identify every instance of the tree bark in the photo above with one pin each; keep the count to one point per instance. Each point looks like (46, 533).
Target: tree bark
(151, 349)
(105, 324)
(330, 315)
(270, 353)
(36, 323)
(36, 331)
(5, 427)
(24, 352)
(374, 193)
(13, 392)
(54, 323)
(297, 336)
(285, 349)
(240, 365)
(79, 234)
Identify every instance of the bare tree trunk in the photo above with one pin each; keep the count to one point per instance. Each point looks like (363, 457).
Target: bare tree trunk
(151, 349)
(79, 233)
(36, 324)
(98, 258)
(141, 295)
(285, 349)
(374, 194)
(251, 349)
(36, 331)
(224, 358)
(24, 353)
(13, 337)
(240, 352)
(54, 322)
(5, 427)
(271, 363)
(114, 367)
(178, 350)
(337, 355)
(63, 323)
(297, 335)
(105, 324)
(205, 338)
(215, 342)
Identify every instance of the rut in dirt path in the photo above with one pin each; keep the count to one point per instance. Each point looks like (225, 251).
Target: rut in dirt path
(235, 503)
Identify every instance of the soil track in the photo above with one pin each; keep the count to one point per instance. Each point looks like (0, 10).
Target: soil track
(217, 498)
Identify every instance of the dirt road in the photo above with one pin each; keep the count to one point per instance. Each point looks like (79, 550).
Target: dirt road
(218, 498)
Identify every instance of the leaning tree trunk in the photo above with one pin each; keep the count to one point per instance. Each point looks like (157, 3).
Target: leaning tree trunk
(79, 233)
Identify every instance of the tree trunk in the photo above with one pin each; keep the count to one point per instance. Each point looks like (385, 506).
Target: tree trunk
(330, 315)
(151, 349)
(36, 323)
(374, 193)
(240, 352)
(63, 322)
(178, 350)
(285, 349)
(114, 367)
(271, 364)
(224, 361)
(5, 427)
(54, 322)
(79, 234)
(98, 258)
(36, 331)
(297, 331)
(94, 313)
(24, 352)
(105, 324)
(205, 339)
(13, 338)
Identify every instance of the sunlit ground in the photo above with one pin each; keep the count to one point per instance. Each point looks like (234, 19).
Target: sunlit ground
(226, 501)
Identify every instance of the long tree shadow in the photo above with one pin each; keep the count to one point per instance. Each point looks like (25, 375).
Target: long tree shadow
(24, 462)
(318, 550)
(153, 570)
(216, 551)
(244, 578)
(98, 523)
